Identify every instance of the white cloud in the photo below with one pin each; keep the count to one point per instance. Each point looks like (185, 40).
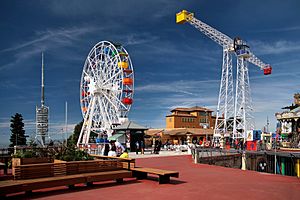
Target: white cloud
(45, 40)
(180, 86)
(4, 124)
(281, 29)
(53, 37)
(141, 38)
(112, 10)
(277, 47)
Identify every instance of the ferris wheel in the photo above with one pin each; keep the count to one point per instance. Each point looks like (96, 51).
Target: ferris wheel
(106, 89)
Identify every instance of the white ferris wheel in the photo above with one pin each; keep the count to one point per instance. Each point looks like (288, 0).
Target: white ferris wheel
(106, 89)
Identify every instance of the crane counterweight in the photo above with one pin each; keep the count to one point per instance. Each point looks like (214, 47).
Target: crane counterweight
(183, 17)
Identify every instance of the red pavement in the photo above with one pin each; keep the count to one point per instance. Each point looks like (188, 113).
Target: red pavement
(196, 181)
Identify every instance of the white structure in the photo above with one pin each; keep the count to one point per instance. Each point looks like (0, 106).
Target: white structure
(42, 114)
(234, 110)
(106, 89)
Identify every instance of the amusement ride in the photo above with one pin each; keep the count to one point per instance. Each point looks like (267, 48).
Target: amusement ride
(106, 90)
(234, 112)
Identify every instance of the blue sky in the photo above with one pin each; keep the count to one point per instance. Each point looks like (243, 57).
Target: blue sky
(175, 65)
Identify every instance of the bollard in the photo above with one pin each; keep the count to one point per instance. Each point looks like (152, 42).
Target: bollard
(189, 149)
(297, 168)
(283, 166)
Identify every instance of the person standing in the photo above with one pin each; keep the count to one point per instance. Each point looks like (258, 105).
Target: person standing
(120, 148)
(106, 149)
(137, 147)
(155, 151)
(112, 151)
(142, 146)
(159, 146)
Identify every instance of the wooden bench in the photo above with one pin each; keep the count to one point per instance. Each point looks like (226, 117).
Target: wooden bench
(128, 163)
(141, 172)
(47, 175)
(164, 175)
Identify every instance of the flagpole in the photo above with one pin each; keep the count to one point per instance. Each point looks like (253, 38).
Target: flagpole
(66, 121)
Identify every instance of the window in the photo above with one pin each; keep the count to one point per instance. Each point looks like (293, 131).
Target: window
(203, 120)
(202, 113)
(170, 119)
(189, 120)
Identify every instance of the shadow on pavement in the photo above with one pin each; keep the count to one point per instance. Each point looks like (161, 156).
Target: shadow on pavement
(172, 181)
(64, 190)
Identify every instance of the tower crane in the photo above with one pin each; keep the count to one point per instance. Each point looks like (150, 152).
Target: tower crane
(234, 112)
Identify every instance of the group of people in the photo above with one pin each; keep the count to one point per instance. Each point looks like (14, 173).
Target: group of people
(115, 149)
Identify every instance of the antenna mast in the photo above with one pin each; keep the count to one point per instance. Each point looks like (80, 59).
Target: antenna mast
(42, 114)
(43, 86)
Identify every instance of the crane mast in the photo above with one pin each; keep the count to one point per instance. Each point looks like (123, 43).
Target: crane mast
(233, 117)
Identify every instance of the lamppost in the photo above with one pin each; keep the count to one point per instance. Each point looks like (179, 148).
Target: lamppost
(17, 139)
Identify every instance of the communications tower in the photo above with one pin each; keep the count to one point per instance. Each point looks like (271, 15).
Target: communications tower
(234, 112)
(42, 114)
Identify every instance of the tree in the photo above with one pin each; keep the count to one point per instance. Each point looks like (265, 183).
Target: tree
(74, 137)
(17, 136)
(77, 130)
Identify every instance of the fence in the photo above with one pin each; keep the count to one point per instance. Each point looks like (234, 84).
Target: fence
(287, 163)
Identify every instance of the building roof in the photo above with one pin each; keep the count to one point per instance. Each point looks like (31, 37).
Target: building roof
(180, 131)
(130, 125)
(195, 108)
(185, 131)
(154, 132)
(181, 115)
(295, 113)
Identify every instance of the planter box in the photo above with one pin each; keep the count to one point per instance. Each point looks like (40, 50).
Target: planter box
(27, 161)
(60, 168)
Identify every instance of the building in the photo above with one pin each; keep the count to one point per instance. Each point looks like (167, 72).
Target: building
(185, 125)
(129, 133)
(179, 136)
(289, 123)
(194, 117)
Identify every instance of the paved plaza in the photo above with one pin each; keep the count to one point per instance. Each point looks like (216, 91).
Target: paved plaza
(196, 181)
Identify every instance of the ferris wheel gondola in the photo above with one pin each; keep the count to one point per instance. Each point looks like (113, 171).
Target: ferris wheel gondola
(106, 89)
